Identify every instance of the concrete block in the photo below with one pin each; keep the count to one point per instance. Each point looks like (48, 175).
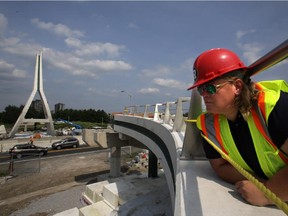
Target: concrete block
(88, 211)
(114, 191)
(69, 212)
(103, 207)
(93, 192)
(97, 209)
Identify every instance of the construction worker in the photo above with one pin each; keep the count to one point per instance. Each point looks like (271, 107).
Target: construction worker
(31, 140)
(247, 120)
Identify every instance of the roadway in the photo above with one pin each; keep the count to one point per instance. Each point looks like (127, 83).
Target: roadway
(5, 157)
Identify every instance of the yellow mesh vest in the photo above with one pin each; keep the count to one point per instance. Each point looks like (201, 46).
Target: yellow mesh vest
(267, 154)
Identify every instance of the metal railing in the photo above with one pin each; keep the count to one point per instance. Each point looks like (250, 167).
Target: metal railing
(171, 113)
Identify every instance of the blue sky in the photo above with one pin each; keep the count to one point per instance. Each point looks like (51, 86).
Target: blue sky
(94, 50)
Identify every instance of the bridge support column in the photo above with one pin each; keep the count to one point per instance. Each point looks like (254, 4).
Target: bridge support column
(115, 162)
(152, 165)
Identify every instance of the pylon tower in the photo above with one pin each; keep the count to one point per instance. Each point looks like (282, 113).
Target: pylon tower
(38, 87)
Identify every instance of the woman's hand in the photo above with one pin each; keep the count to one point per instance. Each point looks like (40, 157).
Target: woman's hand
(251, 193)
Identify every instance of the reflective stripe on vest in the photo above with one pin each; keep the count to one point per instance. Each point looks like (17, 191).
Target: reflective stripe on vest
(207, 122)
(265, 103)
(216, 128)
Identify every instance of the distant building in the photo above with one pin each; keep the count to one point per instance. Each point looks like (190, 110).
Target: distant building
(59, 107)
(37, 105)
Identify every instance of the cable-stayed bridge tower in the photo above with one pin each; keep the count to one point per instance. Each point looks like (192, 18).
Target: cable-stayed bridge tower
(38, 87)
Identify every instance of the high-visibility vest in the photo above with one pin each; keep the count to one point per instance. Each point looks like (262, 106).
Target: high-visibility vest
(216, 128)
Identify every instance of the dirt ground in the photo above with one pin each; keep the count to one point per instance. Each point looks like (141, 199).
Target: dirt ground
(55, 175)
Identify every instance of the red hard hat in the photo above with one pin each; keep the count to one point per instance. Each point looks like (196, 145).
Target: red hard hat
(214, 63)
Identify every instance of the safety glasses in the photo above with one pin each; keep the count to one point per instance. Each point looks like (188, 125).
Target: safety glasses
(210, 88)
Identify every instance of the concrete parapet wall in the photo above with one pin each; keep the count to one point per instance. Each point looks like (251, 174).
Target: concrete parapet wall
(107, 139)
(88, 136)
(101, 138)
(110, 139)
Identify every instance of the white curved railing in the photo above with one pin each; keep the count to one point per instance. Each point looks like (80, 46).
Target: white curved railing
(168, 122)
(161, 127)
(172, 112)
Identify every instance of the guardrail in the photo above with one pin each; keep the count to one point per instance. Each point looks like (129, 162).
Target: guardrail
(171, 113)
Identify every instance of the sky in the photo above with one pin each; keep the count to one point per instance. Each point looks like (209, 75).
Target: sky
(93, 50)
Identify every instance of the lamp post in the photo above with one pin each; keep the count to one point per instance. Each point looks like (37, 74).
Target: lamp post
(130, 99)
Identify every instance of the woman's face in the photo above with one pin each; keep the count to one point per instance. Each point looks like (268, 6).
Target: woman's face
(222, 102)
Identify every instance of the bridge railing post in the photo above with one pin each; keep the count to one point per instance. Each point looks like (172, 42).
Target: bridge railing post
(146, 111)
(192, 146)
(179, 121)
(156, 112)
(167, 119)
(134, 110)
(126, 110)
(167, 113)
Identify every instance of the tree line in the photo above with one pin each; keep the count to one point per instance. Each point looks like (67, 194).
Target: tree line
(11, 114)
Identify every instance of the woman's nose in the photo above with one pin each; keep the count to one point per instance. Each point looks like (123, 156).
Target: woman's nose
(205, 94)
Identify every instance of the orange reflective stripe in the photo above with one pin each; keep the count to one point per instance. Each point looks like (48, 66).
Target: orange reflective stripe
(218, 132)
(262, 131)
(203, 125)
(260, 127)
(261, 100)
(261, 104)
(258, 86)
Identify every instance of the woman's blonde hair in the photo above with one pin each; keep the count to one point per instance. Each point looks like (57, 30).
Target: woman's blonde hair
(249, 94)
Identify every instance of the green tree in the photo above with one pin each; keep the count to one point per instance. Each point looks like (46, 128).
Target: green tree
(86, 115)
(11, 114)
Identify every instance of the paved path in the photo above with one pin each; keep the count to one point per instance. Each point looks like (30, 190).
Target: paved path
(54, 203)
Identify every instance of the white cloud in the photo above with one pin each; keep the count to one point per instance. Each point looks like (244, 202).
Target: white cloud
(73, 42)
(67, 62)
(240, 33)
(171, 83)
(108, 65)
(148, 90)
(75, 65)
(19, 73)
(6, 42)
(159, 70)
(251, 51)
(82, 60)
(58, 29)
(9, 71)
(111, 50)
(14, 45)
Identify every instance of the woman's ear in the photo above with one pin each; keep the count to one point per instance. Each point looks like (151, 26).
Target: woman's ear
(238, 86)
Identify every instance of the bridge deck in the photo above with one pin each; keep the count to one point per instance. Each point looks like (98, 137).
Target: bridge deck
(201, 192)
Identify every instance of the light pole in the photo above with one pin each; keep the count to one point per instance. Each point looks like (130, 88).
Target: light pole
(130, 99)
